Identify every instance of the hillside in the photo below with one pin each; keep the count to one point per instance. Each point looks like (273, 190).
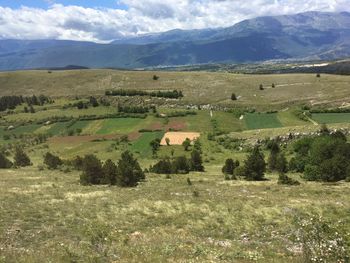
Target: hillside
(311, 35)
(198, 87)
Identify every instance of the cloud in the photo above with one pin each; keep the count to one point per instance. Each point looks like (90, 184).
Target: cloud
(145, 16)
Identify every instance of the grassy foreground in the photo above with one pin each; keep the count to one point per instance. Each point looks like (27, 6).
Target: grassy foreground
(46, 216)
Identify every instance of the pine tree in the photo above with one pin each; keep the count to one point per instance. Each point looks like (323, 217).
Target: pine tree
(52, 161)
(233, 96)
(4, 162)
(255, 165)
(196, 161)
(21, 158)
(109, 173)
(92, 170)
(129, 172)
(229, 167)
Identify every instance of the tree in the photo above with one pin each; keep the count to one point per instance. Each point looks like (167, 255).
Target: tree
(109, 173)
(26, 109)
(155, 144)
(129, 172)
(162, 167)
(4, 162)
(318, 75)
(21, 158)
(255, 165)
(273, 85)
(274, 151)
(155, 77)
(180, 165)
(92, 170)
(186, 144)
(284, 179)
(93, 102)
(229, 167)
(233, 96)
(52, 161)
(31, 109)
(261, 87)
(80, 105)
(196, 162)
(167, 140)
(281, 165)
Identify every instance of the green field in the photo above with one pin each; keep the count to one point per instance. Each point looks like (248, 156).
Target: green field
(331, 117)
(261, 121)
(142, 145)
(120, 125)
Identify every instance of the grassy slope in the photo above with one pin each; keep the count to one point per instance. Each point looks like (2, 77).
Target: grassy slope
(198, 87)
(48, 215)
(331, 117)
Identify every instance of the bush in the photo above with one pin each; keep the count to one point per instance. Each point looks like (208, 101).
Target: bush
(229, 167)
(92, 170)
(52, 161)
(284, 179)
(109, 173)
(180, 165)
(196, 162)
(255, 166)
(163, 166)
(21, 158)
(4, 162)
(129, 172)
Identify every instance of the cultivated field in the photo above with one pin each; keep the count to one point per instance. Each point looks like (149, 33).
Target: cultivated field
(47, 215)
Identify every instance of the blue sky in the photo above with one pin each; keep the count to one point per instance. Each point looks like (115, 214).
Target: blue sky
(107, 20)
(45, 4)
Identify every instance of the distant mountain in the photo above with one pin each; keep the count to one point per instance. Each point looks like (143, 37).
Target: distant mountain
(311, 35)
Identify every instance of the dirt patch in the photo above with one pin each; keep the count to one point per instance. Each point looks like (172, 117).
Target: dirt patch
(134, 136)
(176, 125)
(177, 138)
(155, 126)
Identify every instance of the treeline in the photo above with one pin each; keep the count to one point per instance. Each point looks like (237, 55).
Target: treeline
(135, 109)
(179, 165)
(176, 114)
(335, 110)
(125, 173)
(175, 94)
(11, 102)
(323, 158)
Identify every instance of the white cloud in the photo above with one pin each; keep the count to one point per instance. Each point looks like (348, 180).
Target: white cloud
(145, 16)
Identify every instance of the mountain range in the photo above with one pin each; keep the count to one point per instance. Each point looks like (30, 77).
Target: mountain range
(305, 36)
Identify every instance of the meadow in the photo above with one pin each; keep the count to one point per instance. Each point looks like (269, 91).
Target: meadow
(46, 215)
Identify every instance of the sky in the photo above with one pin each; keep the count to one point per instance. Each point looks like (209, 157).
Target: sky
(105, 20)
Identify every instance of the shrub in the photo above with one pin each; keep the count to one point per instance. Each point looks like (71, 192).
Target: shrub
(229, 168)
(4, 162)
(163, 166)
(129, 172)
(196, 162)
(21, 158)
(180, 165)
(52, 161)
(255, 166)
(284, 179)
(109, 173)
(186, 144)
(92, 170)
(233, 96)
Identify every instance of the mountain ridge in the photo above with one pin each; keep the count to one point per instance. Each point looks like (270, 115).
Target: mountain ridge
(313, 35)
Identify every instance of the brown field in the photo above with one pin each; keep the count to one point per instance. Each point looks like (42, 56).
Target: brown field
(177, 138)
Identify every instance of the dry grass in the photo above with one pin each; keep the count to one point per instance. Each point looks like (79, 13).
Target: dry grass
(198, 87)
(177, 138)
(48, 216)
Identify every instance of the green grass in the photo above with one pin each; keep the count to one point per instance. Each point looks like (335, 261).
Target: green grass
(142, 145)
(48, 216)
(261, 121)
(119, 125)
(331, 117)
